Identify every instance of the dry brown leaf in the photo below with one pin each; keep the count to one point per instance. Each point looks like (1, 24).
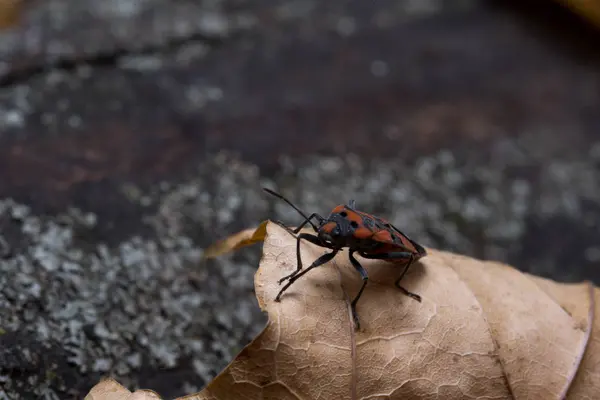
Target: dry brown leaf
(483, 330)
(109, 389)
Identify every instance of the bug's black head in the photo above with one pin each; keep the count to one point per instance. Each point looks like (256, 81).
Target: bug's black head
(338, 229)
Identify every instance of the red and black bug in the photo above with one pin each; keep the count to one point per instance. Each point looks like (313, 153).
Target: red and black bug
(364, 234)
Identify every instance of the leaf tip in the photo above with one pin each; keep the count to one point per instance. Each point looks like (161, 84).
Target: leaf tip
(244, 238)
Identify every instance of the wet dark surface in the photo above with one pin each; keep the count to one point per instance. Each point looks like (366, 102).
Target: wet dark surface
(475, 126)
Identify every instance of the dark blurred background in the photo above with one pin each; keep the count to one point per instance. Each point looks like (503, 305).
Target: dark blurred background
(135, 133)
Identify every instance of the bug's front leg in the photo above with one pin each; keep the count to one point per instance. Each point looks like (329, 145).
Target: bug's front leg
(308, 237)
(284, 226)
(317, 263)
(295, 231)
(410, 257)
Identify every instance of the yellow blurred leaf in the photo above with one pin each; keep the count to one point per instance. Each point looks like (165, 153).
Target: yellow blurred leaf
(10, 11)
(589, 9)
(234, 242)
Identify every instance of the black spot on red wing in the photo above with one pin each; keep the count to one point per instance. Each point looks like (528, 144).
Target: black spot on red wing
(393, 237)
(381, 223)
(401, 242)
(368, 222)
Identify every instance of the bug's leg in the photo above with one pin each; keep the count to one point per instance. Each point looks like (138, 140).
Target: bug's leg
(365, 279)
(397, 255)
(317, 263)
(408, 264)
(308, 237)
(397, 283)
(284, 226)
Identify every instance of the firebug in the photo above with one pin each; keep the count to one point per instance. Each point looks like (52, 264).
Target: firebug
(364, 234)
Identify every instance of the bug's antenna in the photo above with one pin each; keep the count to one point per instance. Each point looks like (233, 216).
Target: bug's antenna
(286, 200)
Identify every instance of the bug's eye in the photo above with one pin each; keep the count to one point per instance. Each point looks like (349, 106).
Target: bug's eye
(354, 224)
(344, 214)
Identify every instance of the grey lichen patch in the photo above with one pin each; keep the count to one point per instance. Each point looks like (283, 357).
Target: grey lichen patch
(144, 302)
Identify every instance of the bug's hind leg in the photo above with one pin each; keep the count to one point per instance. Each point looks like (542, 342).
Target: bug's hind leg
(397, 283)
(317, 263)
(365, 279)
(308, 237)
(397, 256)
